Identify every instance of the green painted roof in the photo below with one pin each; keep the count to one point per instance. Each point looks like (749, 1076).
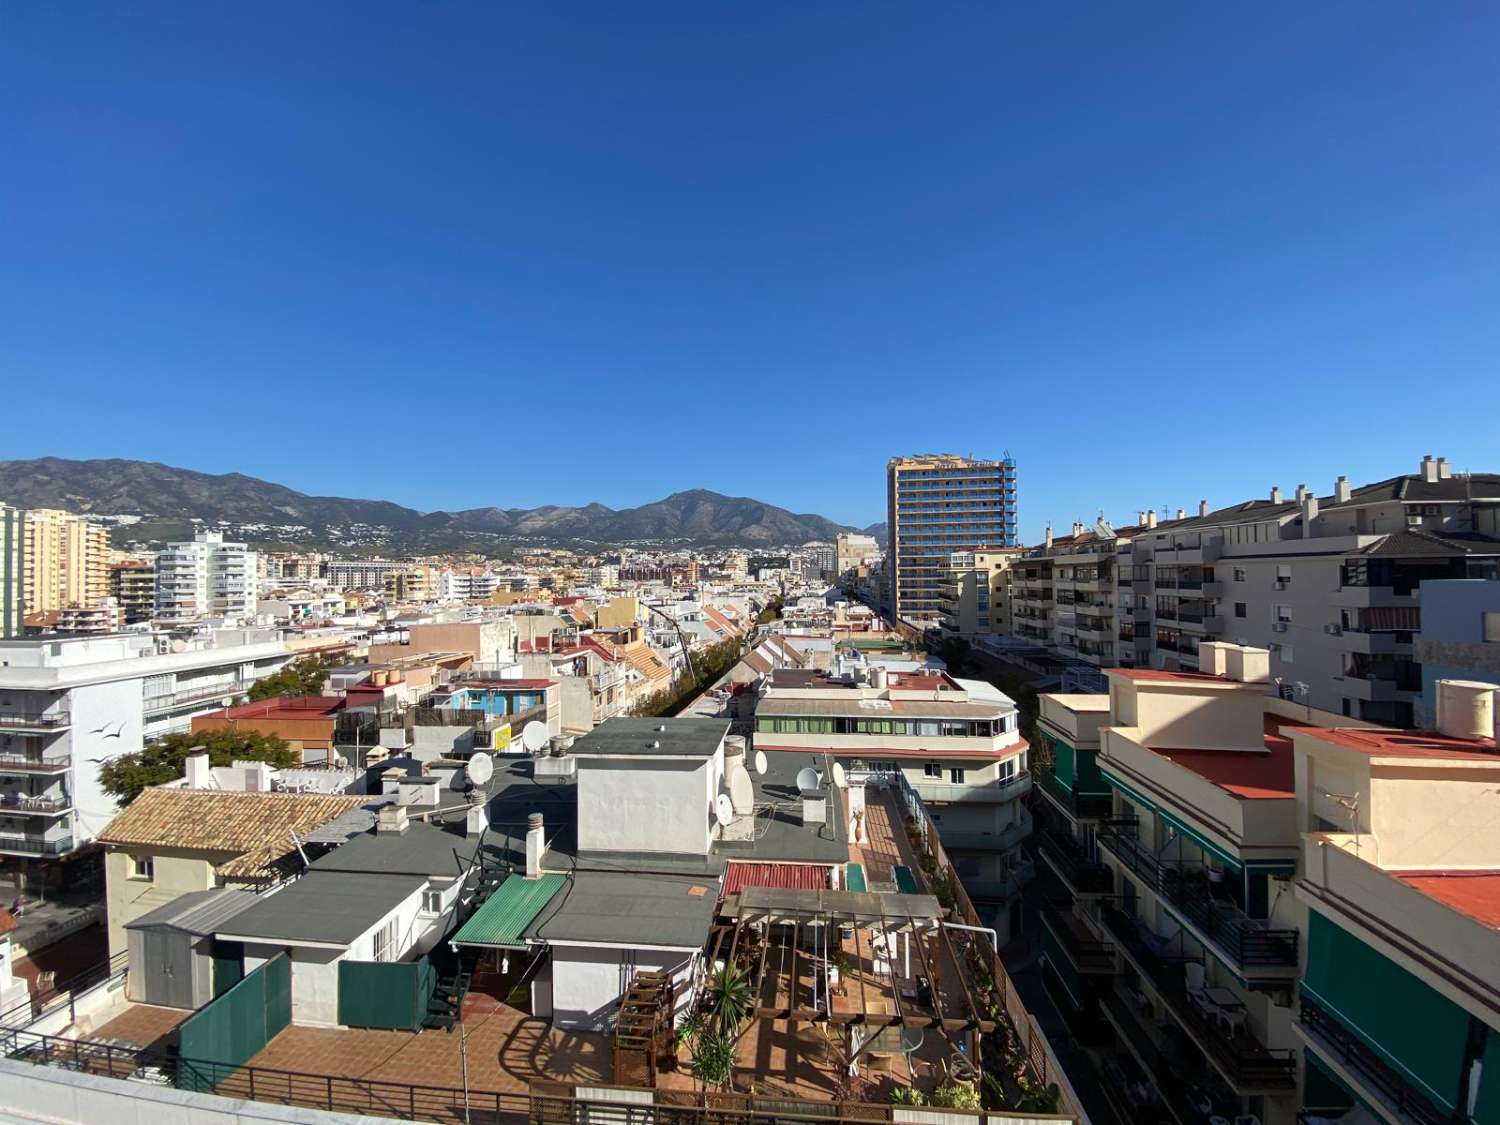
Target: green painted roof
(906, 882)
(854, 877)
(505, 914)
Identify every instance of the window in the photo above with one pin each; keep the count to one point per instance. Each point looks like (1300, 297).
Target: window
(1239, 609)
(1283, 572)
(932, 769)
(1492, 628)
(1006, 769)
(432, 902)
(142, 867)
(1284, 654)
(956, 777)
(1281, 613)
(385, 942)
(1348, 706)
(1239, 574)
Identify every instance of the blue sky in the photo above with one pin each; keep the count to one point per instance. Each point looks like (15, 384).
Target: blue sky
(454, 255)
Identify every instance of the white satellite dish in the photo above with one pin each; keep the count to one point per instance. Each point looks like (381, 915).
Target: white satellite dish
(480, 769)
(807, 779)
(723, 809)
(741, 792)
(839, 777)
(534, 736)
(760, 763)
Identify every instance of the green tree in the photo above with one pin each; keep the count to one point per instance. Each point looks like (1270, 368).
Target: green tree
(301, 677)
(163, 761)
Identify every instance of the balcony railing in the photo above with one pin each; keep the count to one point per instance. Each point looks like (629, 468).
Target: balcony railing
(946, 792)
(1248, 1065)
(34, 806)
(39, 720)
(1245, 942)
(1086, 952)
(193, 695)
(22, 763)
(1088, 806)
(1337, 1041)
(1082, 874)
(969, 839)
(35, 845)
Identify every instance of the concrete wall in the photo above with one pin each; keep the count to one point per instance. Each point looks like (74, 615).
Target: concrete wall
(587, 981)
(112, 708)
(646, 809)
(173, 874)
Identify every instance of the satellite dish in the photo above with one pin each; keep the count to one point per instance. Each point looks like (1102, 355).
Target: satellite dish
(480, 769)
(534, 736)
(807, 778)
(723, 809)
(760, 763)
(741, 792)
(839, 777)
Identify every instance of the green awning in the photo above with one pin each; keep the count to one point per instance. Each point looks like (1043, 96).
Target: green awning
(1229, 859)
(507, 913)
(906, 882)
(854, 877)
(1130, 794)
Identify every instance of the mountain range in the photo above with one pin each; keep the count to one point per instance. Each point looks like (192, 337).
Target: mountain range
(147, 501)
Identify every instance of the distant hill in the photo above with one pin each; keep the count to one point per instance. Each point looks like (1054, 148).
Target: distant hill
(159, 501)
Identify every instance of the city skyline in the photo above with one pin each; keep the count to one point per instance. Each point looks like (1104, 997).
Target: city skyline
(1067, 244)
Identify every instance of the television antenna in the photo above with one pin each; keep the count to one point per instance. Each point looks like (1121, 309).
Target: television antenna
(723, 810)
(480, 769)
(807, 779)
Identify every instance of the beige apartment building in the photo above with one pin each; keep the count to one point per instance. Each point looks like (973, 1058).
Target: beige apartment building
(975, 594)
(67, 561)
(1280, 915)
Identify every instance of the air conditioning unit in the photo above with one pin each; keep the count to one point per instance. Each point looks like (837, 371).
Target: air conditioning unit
(1278, 626)
(1279, 584)
(1333, 630)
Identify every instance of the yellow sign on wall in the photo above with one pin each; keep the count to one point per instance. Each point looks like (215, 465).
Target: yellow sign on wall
(502, 737)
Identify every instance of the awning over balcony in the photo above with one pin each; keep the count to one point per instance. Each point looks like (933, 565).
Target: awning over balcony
(1229, 859)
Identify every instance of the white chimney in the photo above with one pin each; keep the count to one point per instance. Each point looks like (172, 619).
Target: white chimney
(1341, 490)
(477, 819)
(1140, 518)
(1309, 513)
(1276, 494)
(1445, 470)
(1213, 658)
(200, 775)
(1049, 536)
(1248, 665)
(1301, 492)
(1151, 518)
(878, 676)
(1429, 469)
(1202, 508)
(391, 820)
(814, 807)
(1181, 513)
(536, 845)
(1465, 709)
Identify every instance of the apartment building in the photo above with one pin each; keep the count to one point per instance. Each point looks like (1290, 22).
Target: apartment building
(975, 593)
(413, 584)
(12, 572)
(132, 586)
(67, 561)
(359, 574)
(852, 551)
(469, 584)
(1272, 915)
(207, 578)
(69, 704)
(956, 743)
(939, 504)
(1459, 639)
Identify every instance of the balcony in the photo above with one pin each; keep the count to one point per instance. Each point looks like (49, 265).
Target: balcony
(1088, 954)
(40, 722)
(1079, 806)
(988, 792)
(975, 840)
(1244, 943)
(35, 806)
(24, 763)
(157, 703)
(1245, 1063)
(36, 845)
(1073, 866)
(1391, 1089)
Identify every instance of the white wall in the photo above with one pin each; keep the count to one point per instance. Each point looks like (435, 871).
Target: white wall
(644, 809)
(587, 981)
(100, 710)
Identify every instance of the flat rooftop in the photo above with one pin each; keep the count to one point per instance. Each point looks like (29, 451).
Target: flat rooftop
(667, 738)
(1380, 743)
(1245, 774)
(322, 908)
(1475, 894)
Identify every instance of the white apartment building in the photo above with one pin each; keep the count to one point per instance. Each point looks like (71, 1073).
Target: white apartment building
(69, 704)
(469, 584)
(205, 578)
(956, 743)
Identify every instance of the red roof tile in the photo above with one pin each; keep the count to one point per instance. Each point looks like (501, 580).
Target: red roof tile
(783, 876)
(1475, 894)
(1379, 742)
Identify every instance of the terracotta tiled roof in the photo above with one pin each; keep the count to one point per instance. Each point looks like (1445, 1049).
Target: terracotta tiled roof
(7, 921)
(256, 827)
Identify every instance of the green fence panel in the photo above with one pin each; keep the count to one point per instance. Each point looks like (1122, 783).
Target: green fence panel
(230, 1030)
(385, 994)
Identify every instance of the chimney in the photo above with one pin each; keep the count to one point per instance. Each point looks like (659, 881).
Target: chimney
(1341, 490)
(1151, 518)
(1309, 513)
(1276, 494)
(1445, 470)
(1213, 658)
(814, 807)
(536, 845)
(200, 775)
(1181, 513)
(1248, 665)
(1049, 536)
(1202, 508)
(1301, 493)
(1429, 469)
(477, 820)
(1465, 709)
(391, 820)
(1140, 518)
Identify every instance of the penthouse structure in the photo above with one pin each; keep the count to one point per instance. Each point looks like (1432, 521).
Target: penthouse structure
(938, 505)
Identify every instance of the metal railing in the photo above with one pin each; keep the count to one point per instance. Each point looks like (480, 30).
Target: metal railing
(1066, 854)
(1090, 955)
(38, 720)
(1338, 1041)
(33, 845)
(24, 763)
(1089, 806)
(987, 792)
(65, 993)
(194, 695)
